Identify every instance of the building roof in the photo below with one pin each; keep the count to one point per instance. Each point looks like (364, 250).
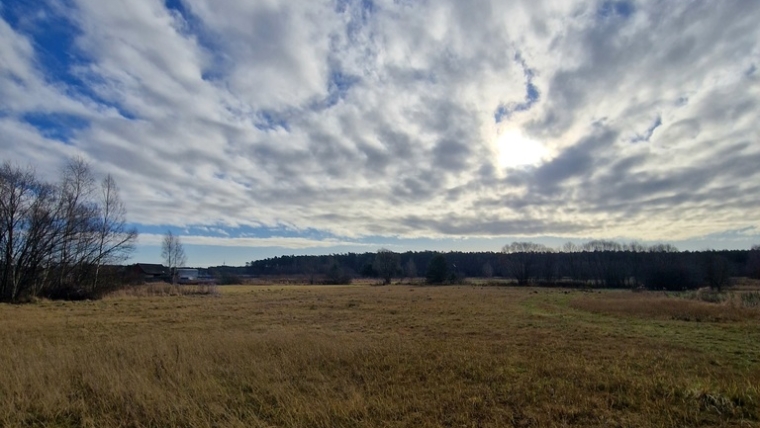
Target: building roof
(152, 269)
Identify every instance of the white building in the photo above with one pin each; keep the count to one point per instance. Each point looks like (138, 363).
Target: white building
(185, 275)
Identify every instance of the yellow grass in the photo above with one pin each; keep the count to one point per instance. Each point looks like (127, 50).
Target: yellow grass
(295, 356)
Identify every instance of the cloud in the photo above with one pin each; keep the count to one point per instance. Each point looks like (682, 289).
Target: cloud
(247, 242)
(382, 118)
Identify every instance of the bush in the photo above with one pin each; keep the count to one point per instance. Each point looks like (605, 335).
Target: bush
(337, 276)
(717, 272)
(438, 270)
(457, 278)
(68, 292)
(230, 279)
(751, 300)
(711, 296)
(110, 279)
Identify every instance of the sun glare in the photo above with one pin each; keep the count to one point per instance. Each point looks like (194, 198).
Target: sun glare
(515, 150)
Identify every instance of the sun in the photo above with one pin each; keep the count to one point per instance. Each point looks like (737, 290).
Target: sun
(515, 150)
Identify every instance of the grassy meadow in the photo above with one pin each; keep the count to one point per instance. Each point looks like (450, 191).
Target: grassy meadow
(394, 356)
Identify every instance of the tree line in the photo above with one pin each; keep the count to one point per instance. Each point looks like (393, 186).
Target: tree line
(58, 239)
(62, 239)
(597, 263)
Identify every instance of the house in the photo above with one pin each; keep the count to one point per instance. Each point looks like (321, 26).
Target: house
(152, 272)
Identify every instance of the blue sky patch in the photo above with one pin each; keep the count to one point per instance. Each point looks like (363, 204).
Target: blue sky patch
(268, 120)
(532, 94)
(360, 11)
(365, 9)
(56, 126)
(623, 9)
(53, 36)
(193, 27)
(531, 97)
(176, 5)
(501, 113)
(649, 132)
(338, 86)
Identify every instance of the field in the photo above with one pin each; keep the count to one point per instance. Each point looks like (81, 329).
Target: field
(457, 356)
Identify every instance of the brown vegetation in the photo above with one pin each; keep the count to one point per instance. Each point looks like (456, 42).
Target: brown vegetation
(373, 356)
(164, 289)
(691, 306)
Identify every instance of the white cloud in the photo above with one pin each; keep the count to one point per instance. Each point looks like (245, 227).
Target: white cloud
(248, 242)
(380, 121)
(23, 87)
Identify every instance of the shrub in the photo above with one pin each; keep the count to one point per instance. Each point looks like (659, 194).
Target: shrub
(230, 279)
(717, 272)
(337, 276)
(711, 296)
(751, 300)
(457, 278)
(386, 264)
(437, 270)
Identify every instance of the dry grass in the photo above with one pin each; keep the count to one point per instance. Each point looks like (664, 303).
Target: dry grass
(165, 289)
(726, 307)
(371, 356)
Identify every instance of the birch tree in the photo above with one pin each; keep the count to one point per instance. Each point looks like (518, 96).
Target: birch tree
(173, 253)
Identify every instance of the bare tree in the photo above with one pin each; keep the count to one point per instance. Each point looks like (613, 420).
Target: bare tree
(574, 261)
(521, 259)
(604, 262)
(54, 238)
(173, 253)
(410, 269)
(487, 270)
(115, 239)
(549, 266)
(16, 199)
(386, 264)
(41, 234)
(77, 213)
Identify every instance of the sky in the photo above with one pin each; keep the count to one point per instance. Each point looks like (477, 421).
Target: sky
(267, 127)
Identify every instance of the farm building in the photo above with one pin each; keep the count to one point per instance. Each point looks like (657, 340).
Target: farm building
(151, 272)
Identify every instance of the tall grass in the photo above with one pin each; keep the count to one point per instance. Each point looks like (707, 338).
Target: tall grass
(751, 299)
(700, 305)
(361, 356)
(164, 289)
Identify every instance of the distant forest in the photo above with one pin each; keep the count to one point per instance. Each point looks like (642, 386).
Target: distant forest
(603, 264)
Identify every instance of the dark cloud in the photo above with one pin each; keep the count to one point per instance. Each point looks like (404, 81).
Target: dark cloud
(487, 226)
(577, 161)
(451, 155)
